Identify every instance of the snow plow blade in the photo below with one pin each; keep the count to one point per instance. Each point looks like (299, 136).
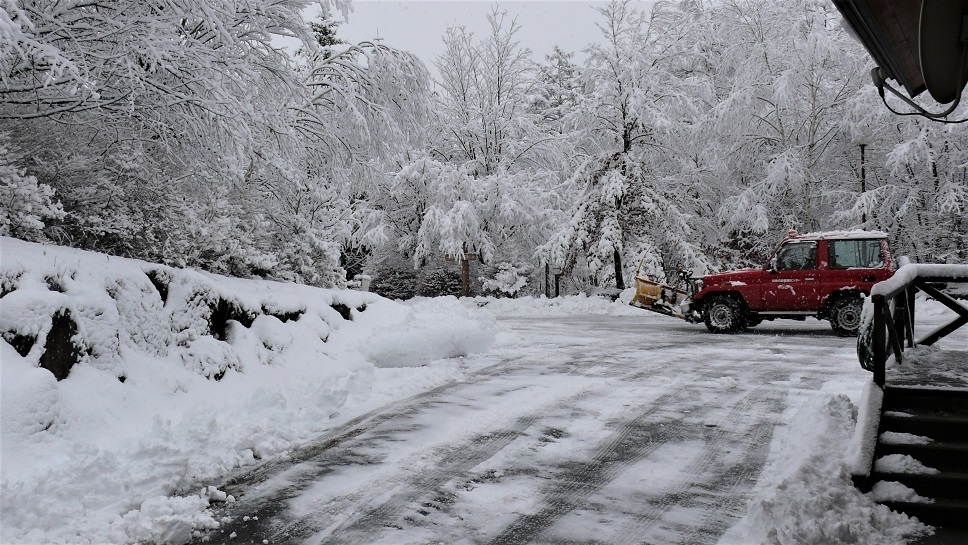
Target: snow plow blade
(657, 297)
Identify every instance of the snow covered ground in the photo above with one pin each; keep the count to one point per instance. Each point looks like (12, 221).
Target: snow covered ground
(94, 459)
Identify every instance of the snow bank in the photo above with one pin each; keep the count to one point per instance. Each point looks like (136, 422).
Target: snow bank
(805, 495)
(861, 452)
(571, 305)
(180, 376)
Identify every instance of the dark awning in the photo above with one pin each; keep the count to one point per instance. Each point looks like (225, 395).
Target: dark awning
(921, 44)
(889, 31)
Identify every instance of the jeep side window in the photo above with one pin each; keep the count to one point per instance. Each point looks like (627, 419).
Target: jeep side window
(797, 256)
(845, 254)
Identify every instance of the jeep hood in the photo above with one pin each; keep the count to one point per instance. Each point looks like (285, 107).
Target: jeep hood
(742, 275)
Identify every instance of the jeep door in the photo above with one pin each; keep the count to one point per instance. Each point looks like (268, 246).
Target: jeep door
(855, 263)
(793, 284)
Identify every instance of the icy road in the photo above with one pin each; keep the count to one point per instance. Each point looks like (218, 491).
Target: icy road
(600, 429)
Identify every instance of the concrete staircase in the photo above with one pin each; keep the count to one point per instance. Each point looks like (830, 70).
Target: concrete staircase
(930, 426)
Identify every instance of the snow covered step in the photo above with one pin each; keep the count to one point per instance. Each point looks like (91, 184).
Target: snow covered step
(918, 401)
(940, 512)
(938, 486)
(940, 427)
(939, 455)
(921, 455)
(930, 425)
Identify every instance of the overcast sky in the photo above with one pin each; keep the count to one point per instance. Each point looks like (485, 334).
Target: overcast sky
(418, 26)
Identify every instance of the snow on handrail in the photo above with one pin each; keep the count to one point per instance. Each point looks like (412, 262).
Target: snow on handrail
(913, 271)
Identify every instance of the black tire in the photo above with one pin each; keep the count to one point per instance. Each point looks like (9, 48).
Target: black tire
(723, 314)
(845, 315)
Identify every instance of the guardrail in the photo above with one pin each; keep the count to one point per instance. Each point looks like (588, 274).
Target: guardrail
(888, 321)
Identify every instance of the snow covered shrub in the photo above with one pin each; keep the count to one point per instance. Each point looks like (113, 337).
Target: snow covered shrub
(24, 203)
(60, 327)
(160, 279)
(141, 311)
(217, 239)
(508, 280)
(311, 258)
(210, 358)
(200, 323)
(394, 278)
(9, 279)
(440, 282)
(190, 311)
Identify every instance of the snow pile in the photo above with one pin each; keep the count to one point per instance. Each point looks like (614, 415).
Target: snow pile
(180, 377)
(805, 495)
(895, 491)
(901, 438)
(571, 305)
(429, 329)
(902, 463)
(861, 452)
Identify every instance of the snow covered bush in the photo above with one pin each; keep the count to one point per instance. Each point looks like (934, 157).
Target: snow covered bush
(394, 278)
(440, 281)
(24, 203)
(508, 280)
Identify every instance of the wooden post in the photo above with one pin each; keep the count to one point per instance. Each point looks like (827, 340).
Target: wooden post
(465, 277)
(879, 340)
(547, 281)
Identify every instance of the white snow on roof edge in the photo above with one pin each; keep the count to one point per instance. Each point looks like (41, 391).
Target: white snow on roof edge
(851, 234)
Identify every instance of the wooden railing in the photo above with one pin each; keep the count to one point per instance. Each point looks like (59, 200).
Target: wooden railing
(888, 324)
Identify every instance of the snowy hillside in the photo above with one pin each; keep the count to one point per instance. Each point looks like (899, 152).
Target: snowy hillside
(172, 390)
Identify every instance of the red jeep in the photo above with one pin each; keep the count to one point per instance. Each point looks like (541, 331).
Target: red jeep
(823, 275)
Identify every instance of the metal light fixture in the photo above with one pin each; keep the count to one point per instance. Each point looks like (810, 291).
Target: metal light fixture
(921, 44)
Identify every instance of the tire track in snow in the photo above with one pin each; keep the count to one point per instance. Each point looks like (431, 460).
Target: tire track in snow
(636, 440)
(268, 517)
(265, 491)
(574, 482)
(388, 512)
(241, 483)
(718, 490)
(721, 499)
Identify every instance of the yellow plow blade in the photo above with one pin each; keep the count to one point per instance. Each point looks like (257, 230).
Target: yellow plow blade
(657, 297)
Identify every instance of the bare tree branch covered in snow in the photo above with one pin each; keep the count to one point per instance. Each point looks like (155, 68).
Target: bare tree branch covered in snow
(179, 132)
(689, 136)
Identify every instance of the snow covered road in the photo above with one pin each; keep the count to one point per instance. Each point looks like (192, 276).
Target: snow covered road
(590, 429)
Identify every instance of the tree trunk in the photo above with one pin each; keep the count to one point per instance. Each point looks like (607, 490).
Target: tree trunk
(619, 280)
(465, 277)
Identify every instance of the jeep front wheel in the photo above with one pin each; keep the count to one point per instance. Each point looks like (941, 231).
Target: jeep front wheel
(723, 314)
(845, 316)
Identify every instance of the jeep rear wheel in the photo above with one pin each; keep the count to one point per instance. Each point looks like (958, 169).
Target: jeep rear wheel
(845, 315)
(723, 314)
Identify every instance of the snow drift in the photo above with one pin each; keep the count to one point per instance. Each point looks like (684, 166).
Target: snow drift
(177, 377)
